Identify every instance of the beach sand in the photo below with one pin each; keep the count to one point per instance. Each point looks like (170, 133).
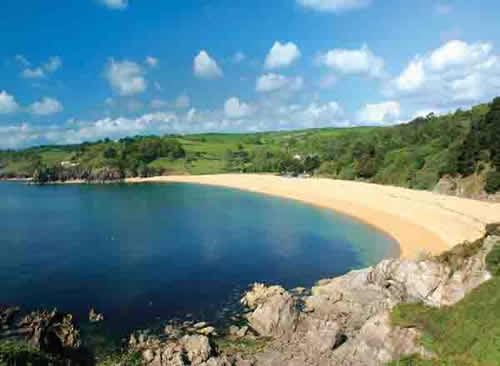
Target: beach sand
(421, 221)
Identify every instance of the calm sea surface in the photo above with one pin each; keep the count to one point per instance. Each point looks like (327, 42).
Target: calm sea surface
(141, 253)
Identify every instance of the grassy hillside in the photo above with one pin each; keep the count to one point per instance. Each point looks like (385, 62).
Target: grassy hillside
(467, 334)
(413, 155)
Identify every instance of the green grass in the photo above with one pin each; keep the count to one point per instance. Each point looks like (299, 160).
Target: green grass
(20, 353)
(171, 167)
(244, 347)
(467, 333)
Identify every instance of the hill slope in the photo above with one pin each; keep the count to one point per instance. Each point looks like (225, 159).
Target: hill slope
(414, 155)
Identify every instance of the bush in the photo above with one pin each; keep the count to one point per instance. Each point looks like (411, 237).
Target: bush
(493, 260)
(492, 182)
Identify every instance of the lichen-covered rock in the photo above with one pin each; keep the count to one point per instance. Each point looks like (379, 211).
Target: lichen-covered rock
(378, 343)
(197, 348)
(275, 312)
(345, 320)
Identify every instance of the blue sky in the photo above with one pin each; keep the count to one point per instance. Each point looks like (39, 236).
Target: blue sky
(72, 71)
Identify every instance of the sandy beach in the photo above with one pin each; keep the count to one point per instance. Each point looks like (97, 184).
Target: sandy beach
(420, 221)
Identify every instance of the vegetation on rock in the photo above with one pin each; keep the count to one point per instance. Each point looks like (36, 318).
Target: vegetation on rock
(467, 333)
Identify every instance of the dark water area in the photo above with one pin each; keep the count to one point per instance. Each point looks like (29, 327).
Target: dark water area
(144, 253)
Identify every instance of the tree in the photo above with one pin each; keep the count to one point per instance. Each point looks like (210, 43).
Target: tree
(110, 153)
(311, 163)
(492, 182)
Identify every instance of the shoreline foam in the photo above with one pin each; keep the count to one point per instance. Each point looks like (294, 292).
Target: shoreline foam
(420, 221)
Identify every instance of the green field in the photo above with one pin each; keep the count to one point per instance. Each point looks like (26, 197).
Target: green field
(415, 155)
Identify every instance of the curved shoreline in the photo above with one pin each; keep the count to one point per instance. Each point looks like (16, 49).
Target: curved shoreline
(420, 221)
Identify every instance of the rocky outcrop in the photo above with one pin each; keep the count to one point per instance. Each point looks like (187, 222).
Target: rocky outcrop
(274, 310)
(345, 320)
(48, 331)
(195, 350)
(51, 332)
(95, 317)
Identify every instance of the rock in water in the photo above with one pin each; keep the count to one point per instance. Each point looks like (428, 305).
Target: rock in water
(95, 317)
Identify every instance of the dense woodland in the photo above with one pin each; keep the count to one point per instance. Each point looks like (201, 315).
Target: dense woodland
(416, 154)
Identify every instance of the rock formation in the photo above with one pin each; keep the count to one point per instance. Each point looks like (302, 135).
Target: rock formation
(345, 320)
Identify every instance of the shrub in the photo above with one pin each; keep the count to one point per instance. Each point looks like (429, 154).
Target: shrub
(492, 182)
(493, 260)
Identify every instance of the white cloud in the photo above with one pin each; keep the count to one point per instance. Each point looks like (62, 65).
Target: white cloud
(23, 60)
(413, 76)
(316, 114)
(191, 115)
(443, 9)
(381, 113)
(272, 82)
(53, 64)
(33, 73)
(282, 55)
(151, 61)
(182, 101)
(206, 67)
(46, 107)
(109, 101)
(268, 114)
(126, 77)
(7, 103)
(334, 6)
(456, 53)
(239, 57)
(361, 62)
(457, 73)
(116, 4)
(233, 108)
(425, 112)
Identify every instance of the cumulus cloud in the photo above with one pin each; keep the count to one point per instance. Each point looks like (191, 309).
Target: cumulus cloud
(46, 106)
(381, 113)
(233, 108)
(53, 64)
(36, 73)
(315, 114)
(151, 61)
(126, 77)
(206, 67)
(282, 55)
(23, 60)
(7, 103)
(349, 62)
(115, 4)
(334, 6)
(235, 116)
(239, 57)
(272, 82)
(456, 73)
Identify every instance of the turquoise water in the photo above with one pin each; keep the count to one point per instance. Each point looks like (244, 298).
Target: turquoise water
(140, 253)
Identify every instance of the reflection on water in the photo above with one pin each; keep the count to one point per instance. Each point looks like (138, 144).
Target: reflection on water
(139, 252)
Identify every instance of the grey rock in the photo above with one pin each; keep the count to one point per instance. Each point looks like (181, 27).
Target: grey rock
(197, 348)
(275, 311)
(95, 317)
